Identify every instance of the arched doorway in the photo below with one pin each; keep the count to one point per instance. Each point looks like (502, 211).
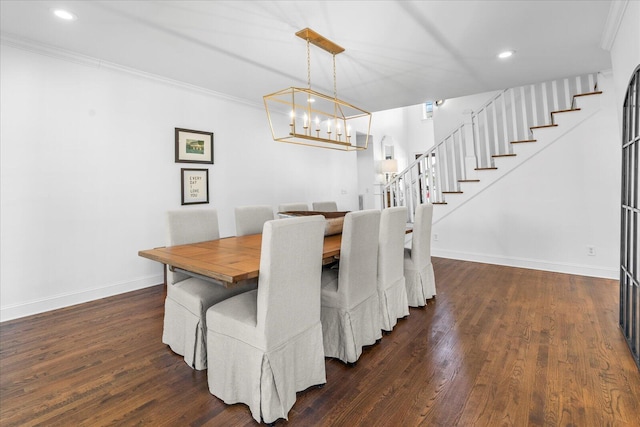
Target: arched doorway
(630, 219)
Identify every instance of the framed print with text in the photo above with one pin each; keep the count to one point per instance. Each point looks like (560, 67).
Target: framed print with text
(194, 146)
(195, 186)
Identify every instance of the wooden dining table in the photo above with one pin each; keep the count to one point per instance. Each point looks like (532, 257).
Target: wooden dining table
(229, 260)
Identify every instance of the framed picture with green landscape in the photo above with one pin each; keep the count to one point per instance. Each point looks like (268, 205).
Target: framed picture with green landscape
(194, 146)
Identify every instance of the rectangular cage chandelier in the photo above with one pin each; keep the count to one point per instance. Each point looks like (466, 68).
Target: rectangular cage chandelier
(307, 117)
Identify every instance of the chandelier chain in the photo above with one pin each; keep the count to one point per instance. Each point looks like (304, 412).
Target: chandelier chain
(308, 65)
(335, 87)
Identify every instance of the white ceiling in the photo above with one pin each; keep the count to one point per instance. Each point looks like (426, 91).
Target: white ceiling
(398, 53)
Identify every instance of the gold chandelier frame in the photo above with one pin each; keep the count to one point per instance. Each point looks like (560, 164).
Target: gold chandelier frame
(307, 117)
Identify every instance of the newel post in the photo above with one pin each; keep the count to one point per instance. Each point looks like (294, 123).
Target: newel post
(470, 161)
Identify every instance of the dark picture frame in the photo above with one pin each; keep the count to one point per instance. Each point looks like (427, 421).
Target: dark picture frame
(194, 146)
(194, 186)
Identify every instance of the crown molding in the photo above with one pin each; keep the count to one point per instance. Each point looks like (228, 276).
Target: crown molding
(88, 61)
(614, 19)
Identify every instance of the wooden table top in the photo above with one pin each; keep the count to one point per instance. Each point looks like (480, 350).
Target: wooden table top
(229, 260)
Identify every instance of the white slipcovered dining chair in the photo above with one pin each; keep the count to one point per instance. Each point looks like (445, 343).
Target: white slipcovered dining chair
(251, 219)
(392, 291)
(265, 345)
(188, 298)
(288, 207)
(418, 269)
(350, 306)
(325, 206)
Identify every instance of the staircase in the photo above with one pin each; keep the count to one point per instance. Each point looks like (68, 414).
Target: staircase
(491, 142)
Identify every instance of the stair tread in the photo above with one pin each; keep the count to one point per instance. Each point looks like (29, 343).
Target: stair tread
(597, 92)
(573, 100)
(439, 203)
(523, 141)
(452, 192)
(468, 180)
(503, 155)
(565, 111)
(543, 126)
(486, 169)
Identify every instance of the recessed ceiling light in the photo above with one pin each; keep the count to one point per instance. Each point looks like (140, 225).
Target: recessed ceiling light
(506, 54)
(65, 14)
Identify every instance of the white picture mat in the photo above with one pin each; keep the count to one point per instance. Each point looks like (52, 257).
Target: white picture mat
(205, 156)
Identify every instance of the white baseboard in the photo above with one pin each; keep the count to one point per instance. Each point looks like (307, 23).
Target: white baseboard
(65, 300)
(533, 264)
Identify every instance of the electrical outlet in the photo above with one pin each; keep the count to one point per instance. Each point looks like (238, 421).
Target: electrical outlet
(435, 237)
(591, 250)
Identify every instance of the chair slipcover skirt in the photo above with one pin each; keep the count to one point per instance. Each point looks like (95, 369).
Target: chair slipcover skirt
(393, 304)
(185, 309)
(421, 283)
(346, 331)
(392, 290)
(418, 269)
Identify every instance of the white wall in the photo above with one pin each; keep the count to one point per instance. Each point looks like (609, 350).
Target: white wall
(544, 214)
(367, 176)
(449, 116)
(387, 128)
(87, 173)
(420, 136)
(625, 52)
(404, 130)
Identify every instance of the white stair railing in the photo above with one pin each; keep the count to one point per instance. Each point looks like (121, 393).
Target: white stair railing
(487, 134)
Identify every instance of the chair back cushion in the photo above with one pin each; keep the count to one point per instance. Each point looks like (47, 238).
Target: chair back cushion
(358, 256)
(288, 207)
(189, 226)
(289, 281)
(421, 239)
(393, 223)
(325, 206)
(192, 226)
(251, 219)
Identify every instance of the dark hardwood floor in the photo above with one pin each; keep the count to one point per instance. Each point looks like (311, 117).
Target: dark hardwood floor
(499, 346)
